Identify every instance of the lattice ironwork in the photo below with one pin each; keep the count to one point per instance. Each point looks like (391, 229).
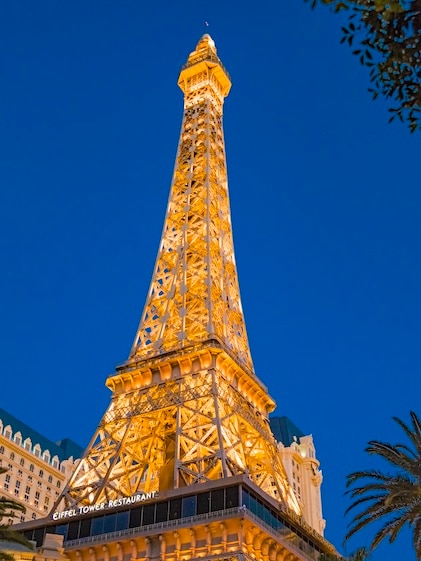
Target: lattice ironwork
(186, 431)
(187, 407)
(194, 294)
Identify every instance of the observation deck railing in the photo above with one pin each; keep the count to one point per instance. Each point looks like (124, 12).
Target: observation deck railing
(302, 548)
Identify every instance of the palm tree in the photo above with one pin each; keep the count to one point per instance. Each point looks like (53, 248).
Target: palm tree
(394, 499)
(10, 509)
(360, 555)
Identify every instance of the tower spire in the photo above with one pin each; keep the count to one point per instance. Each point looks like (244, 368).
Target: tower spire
(194, 293)
(186, 407)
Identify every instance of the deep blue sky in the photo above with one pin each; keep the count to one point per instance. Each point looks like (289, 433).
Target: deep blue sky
(325, 200)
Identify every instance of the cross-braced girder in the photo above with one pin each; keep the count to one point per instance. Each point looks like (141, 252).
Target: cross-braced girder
(190, 430)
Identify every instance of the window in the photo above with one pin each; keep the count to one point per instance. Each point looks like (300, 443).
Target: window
(22, 462)
(31, 467)
(85, 528)
(41, 473)
(260, 510)
(27, 444)
(175, 509)
(245, 499)
(62, 530)
(27, 491)
(58, 484)
(1, 449)
(97, 526)
(135, 516)
(73, 532)
(217, 500)
(12, 455)
(109, 523)
(34, 516)
(36, 501)
(122, 521)
(162, 512)
(7, 433)
(50, 479)
(20, 473)
(231, 497)
(188, 506)
(203, 503)
(30, 478)
(148, 515)
(18, 439)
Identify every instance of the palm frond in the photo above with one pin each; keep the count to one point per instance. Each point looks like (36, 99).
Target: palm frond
(9, 535)
(392, 453)
(9, 509)
(393, 498)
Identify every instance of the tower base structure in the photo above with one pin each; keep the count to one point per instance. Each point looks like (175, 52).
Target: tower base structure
(227, 519)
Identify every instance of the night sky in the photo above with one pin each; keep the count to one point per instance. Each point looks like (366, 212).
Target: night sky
(325, 202)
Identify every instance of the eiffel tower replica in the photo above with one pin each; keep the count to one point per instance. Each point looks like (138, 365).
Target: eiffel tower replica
(183, 465)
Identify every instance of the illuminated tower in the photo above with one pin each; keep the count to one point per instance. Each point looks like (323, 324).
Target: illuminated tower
(184, 460)
(186, 406)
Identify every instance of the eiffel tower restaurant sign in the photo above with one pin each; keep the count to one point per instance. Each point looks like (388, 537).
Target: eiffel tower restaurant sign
(89, 509)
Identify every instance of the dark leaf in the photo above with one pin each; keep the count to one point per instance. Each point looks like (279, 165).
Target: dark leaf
(387, 38)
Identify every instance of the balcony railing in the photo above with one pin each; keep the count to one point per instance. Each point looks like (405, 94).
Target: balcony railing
(296, 544)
